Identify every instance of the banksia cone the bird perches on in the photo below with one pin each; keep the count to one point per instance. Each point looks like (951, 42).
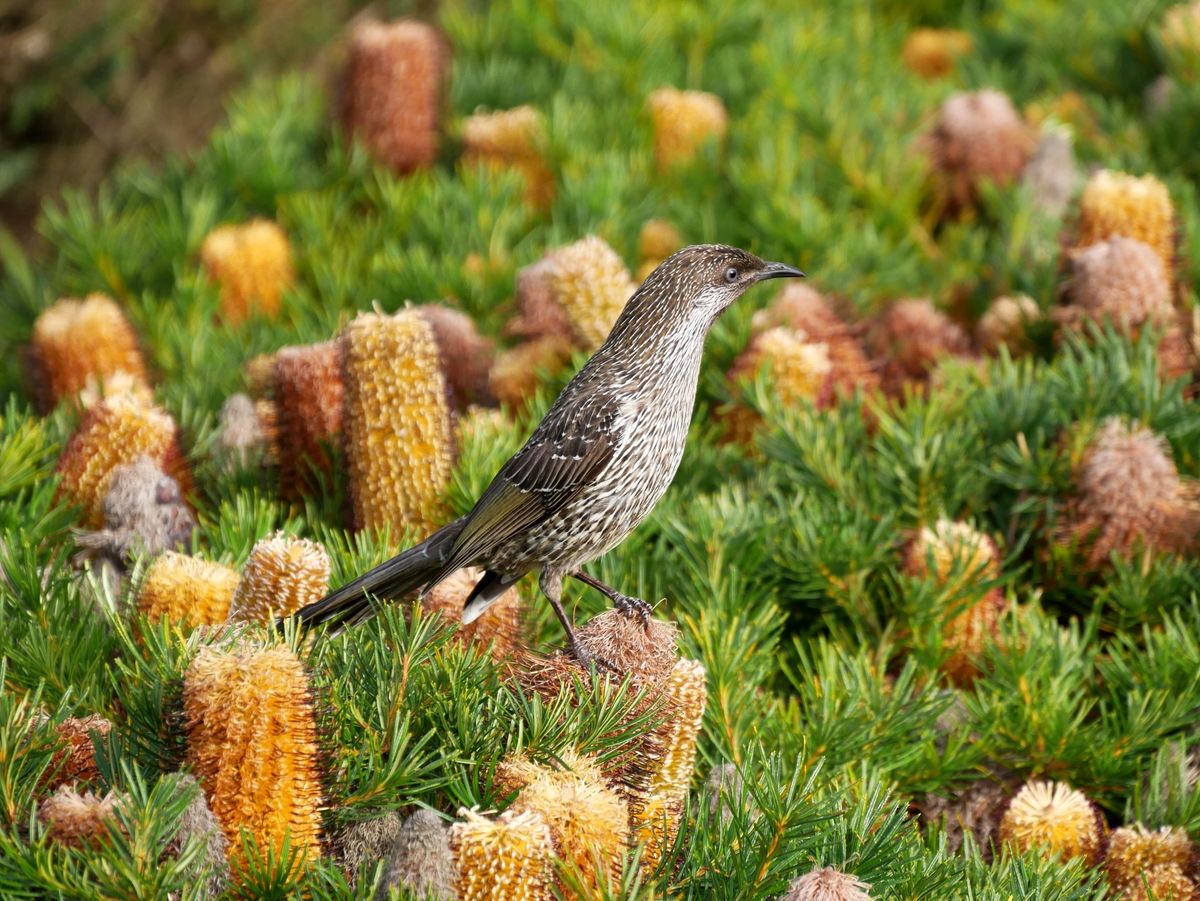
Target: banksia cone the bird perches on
(252, 263)
(1118, 204)
(505, 859)
(252, 743)
(500, 624)
(1134, 850)
(644, 651)
(1051, 817)
(684, 121)
(282, 575)
(82, 346)
(827, 884)
(187, 590)
(932, 53)
(511, 139)
(392, 91)
(398, 422)
(79, 819)
(308, 391)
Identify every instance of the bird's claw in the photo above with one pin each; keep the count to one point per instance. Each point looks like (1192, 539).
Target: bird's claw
(631, 606)
(590, 661)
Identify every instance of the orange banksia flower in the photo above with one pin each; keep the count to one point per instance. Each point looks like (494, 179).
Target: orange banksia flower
(657, 240)
(500, 624)
(1052, 817)
(827, 884)
(187, 590)
(798, 370)
(508, 858)
(392, 91)
(253, 265)
(308, 391)
(932, 53)
(82, 348)
(512, 139)
(684, 121)
(79, 819)
(282, 575)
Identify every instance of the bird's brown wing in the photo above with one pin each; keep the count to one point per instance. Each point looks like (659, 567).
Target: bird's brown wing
(566, 453)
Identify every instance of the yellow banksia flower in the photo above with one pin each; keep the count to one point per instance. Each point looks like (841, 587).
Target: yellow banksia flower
(252, 744)
(511, 139)
(932, 53)
(591, 284)
(683, 122)
(500, 624)
(1134, 850)
(686, 692)
(1053, 818)
(187, 590)
(657, 240)
(82, 349)
(1118, 204)
(308, 393)
(798, 370)
(79, 819)
(654, 825)
(282, 575)
(392, 91)
(252, 263)
(114, 432)
(508, 858)
(398, 423)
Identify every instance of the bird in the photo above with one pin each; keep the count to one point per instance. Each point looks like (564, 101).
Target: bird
(595, 466)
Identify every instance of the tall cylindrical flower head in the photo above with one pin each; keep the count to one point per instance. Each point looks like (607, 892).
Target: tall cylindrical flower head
(1052, 817)
(252, 263)
(419, 859)
(684, 121)
(282, 575)
(399, 426)
(508, 858)
(392, 91)
(1118, 204)
(512, 139)
(309, 395)
(187, 590)
(81, 349)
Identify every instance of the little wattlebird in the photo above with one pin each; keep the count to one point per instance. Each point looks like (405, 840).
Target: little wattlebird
(596, 465)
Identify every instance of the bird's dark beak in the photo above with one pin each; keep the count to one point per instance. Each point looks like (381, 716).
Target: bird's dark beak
(777, 270)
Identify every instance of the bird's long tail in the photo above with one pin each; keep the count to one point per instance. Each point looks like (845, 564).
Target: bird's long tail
(402, 576)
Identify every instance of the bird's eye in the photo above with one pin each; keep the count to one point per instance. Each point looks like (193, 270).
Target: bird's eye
(731, 274)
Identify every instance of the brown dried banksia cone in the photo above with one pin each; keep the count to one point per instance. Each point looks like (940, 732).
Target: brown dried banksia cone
(80, 348)
(932, 53)
(517, 373)
(308, 391)
(465, 354)
(1134, 850)
(1052, 817)
(116, 431)
(252, 743)
(253, 265)
(79, 819)
(975, 810)
(1118, 204)
(513, 139)
(1120, 280)
(508, 858)
(398, 423)
(500, 624)
(187, 590)
(1005, 322)
(392, 91)
(912, 337)
(978, 138)
(684, 121)
(282, 575)
(1128, 497)
(646, 652)
(75, 760)
(1164, 882)
(827, 884)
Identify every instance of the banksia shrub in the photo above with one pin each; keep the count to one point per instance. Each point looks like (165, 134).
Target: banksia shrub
(932, 53)
(392, 91)
(516, 373)
(912, 337)
(499, 626)
(513, 139)
(79, 819)
(1005, 323)
(465, 354)
(308, 392)
(1121, 280)
(503, 859)
(252, 264)
(81, 347)
(1129, 496)
(684, 121)
(1053, 818)
(1118, 204)
(252, 744)
(187, 590)
(1134, 850)
(827, 884)
(646, 653)
(116, 431)
(398, 422)
(419, 859)
(75, 759)
(1179, 34)
(282, 575)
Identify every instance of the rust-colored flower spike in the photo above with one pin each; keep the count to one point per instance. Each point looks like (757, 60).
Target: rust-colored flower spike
(79, 819)
(1129, 495)
(827, 884)
(392, 91)
(499, 626)
(977, 138)
(1134, 850)
(1005, 321)
(503, 859)
(932, 53)
(516, 373)
(282, 575)
(646, 652)
(252, 744)
(1052, 817)
(75, 759)
(308, 391)
(398, 422)
(512, 139)
(911, 337)
(252, 263)
(684, 121)
(83, 347)
(419, 858)
(466, 355)
(1120, 280)
(1119, 204)
(657, 240)
(116, 431)
(187, 590)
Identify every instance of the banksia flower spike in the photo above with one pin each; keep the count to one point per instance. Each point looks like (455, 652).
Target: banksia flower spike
(465, 354)
(419, 859)
(308, 391)
(827, 884)
(1053, 818)
(1005, 321)
(645, 652)
(798, 369)
(976, 810)
(252, 263)
(1165, 882)
(82, 347)
(282, 575)
(505, 859)
(398, 422)
(512, 139)
(242, 432)
(75, 760)
(116, 431)
(1134, 850)
(516, 373)
(187, 590)
(932, 53)
(198, 824)
(684, 121)
(79, 819)
(1129, 496)
(144, 514)
(500, 624)
(1117, 204)
(978, 138)
(392, 91)
(252, 743)
(1180, 38)
(911, 337)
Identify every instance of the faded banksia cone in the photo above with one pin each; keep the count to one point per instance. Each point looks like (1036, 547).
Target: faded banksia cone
(79, 820)
(465, 354)
(75, 759)
(684, 121)
(513, 139)
(645, 651)
(252, 263)
(1005, 323)
(505, 859)
(827, 884)
(1052, 817)
(1120, 280)
(518, 372)
(392, 91)
(309, 395)
(187, 590)
(419, 859)
(912, 337)
(1134, 850)
(282, 575)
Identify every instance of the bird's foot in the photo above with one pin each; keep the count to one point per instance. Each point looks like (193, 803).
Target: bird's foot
(631, 607)
(590, 661)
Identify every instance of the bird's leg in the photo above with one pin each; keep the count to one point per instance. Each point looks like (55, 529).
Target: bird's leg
(628, 605)
(551, 586)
